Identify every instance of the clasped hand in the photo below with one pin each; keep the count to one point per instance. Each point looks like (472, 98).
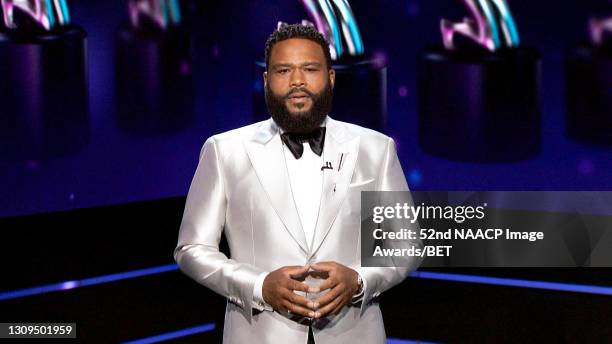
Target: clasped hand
(279, 286)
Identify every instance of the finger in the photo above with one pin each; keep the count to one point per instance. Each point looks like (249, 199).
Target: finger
(328, 297)
(343, 303)
(299, 272)
(323, 266)
(298, 286)
(328, 283)
(297, 309)
(279, 305)
(322, 312)
(298, 269)
(300, 300)
(291, 269)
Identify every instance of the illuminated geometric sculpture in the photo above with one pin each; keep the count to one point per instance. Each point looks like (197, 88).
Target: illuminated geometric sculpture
(162, 13)
(46, 14)
(491, 25)
(45, 111)
(153, 67)
(600, 30)
(337, 28)
(480, 104)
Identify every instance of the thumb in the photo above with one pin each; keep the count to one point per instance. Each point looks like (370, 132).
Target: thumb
(299, 271)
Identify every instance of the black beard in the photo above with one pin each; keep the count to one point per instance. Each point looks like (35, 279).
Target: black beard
(302, 122)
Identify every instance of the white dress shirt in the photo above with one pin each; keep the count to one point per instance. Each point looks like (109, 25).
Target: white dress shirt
(306, 181)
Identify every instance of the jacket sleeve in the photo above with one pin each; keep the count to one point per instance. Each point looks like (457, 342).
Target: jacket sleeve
(197, 252)
(379, 279)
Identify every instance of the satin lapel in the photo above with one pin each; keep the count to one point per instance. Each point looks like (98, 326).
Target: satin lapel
(335, 182)
(268, 161)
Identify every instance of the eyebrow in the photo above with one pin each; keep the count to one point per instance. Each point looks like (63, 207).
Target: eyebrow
(308, 63)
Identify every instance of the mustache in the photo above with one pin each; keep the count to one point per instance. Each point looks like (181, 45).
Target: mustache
(296, 90)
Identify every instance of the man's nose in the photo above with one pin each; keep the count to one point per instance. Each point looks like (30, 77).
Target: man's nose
(297, 78)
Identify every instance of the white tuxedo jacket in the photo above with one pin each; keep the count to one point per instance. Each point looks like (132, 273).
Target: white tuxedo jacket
(241, 188)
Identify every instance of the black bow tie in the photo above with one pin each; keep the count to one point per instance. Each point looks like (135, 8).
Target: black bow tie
(315, 139)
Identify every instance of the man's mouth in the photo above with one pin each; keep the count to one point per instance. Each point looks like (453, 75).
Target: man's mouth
(299, 95)
(298, 100)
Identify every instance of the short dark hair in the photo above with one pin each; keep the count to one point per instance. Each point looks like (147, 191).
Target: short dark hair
(286, 31)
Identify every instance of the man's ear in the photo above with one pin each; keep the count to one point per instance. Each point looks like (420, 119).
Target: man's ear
(332, 77)
(265, 79)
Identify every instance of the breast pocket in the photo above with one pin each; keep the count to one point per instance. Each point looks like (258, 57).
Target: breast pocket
(361, 183)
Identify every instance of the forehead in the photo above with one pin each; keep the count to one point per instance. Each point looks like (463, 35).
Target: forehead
(296, 50)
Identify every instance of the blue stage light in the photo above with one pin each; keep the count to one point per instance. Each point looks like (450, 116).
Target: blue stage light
(450, 277)
(68, 285)
(511, 282)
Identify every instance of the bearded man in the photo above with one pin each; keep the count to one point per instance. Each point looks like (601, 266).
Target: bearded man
(286, 193)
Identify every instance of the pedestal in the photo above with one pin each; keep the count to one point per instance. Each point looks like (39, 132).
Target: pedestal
(589, 95)
(479, 106)
(154, 83)
(44, 109)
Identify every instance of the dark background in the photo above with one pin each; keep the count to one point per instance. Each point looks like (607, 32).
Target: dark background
(146, 176)
(117, 166)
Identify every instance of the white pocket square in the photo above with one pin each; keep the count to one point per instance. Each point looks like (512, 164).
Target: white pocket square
(361, 182)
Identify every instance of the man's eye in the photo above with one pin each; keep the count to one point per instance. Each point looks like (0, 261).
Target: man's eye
(282, 71)
(311, 69)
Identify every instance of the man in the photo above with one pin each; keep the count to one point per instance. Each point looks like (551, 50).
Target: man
(286, 192)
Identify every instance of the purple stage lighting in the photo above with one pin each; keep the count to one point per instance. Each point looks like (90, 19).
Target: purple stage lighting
(161, 13)
(600, 29)
(44, 13)
(491, 25)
